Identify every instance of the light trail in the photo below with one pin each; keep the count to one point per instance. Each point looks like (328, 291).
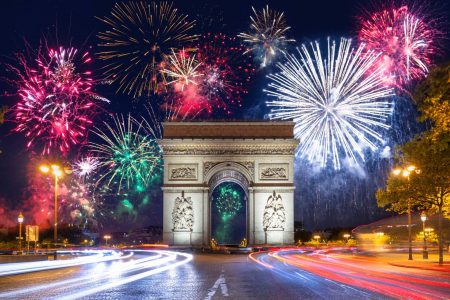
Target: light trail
(106, 277)
(122, 281)
(94, 257)
(124, 268)
(367, 274)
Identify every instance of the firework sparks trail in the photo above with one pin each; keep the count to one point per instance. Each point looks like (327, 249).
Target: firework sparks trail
(79, 205)
(140, 37)
(57, 103)
(267, 35)
(223, 72)
(182, 69)
(228, 201)
(336, 103)
(85, 166)
(406, 41)
(129, 153)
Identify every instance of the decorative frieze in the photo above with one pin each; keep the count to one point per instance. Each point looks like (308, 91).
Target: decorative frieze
(182, 172)
(273, 172)
(281, 149)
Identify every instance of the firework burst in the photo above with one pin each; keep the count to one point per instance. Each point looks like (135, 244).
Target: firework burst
(228, 201)
(86, 166)
(267, 35)
(78, 204)
(57, 103)
(182, 69)
(223, 74)
(129, 154)
(335, 102)
(140, 37)
(406, 41)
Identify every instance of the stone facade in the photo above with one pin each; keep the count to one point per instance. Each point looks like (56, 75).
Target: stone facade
(257, 155)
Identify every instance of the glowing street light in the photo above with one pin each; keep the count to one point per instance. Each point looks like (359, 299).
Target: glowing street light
(347, 237)
(423, 217)
(56, 172)
(107, 237)
(317, 238)
(20, 220)
(406, 172)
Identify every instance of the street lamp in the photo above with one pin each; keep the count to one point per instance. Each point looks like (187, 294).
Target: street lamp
(423, 217)
(346, 236)
(317, 238)
(55, 171)
(406, 172)
(20, 220)
(107, 237)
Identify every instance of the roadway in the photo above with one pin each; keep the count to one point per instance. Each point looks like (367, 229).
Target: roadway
(274, 275)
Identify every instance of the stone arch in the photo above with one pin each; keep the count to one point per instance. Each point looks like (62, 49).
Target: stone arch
(229, 166)
(224, 173)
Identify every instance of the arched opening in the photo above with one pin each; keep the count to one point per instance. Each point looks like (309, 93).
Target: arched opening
(228, 207)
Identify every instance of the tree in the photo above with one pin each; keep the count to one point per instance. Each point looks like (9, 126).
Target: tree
(430, 189)
(3, 111)
(432, 97)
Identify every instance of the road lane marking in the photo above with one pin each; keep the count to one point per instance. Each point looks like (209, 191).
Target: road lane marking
(220, 282)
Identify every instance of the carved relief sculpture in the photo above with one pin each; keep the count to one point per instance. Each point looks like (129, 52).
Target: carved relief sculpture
(229, 150)
(183, 214)
(273, 173)
(274, 213)
(250, 166)
(183, 173)
(208, 166)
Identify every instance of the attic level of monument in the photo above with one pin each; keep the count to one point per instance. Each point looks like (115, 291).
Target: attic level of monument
(228, 130)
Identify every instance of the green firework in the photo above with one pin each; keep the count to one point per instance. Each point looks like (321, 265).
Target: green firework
(228, 202)
(129, 154)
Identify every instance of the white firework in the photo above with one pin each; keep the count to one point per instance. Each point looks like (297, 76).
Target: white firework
(86, 166)
(336, 103)
(182, 69)
(267, 35)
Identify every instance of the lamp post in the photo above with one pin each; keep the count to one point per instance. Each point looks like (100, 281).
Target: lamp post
(406, 172)
(56, 172)
(423, 217)
(107, 237)
(20, 220)
(317, 238)
(346, 237)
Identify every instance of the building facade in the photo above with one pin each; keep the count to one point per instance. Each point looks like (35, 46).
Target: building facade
(199, 157)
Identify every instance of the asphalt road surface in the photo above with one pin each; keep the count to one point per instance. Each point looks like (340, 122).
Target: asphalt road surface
(165, 275)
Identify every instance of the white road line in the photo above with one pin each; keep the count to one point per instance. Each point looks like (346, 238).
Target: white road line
(220, 282)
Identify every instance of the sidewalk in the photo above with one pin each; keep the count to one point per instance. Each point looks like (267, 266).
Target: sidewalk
(401, 260)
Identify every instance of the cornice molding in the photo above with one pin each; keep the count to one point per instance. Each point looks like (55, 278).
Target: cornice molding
(211, 149)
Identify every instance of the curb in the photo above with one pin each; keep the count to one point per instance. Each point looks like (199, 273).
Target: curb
(445, 268)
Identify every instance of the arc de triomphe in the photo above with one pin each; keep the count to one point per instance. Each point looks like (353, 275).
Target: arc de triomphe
(257, 156)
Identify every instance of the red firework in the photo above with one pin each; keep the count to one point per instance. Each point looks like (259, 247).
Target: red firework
(56, 99)
(222, 72)
(405, 40)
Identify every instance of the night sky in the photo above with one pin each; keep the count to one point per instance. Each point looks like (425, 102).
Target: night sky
(323, 199)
